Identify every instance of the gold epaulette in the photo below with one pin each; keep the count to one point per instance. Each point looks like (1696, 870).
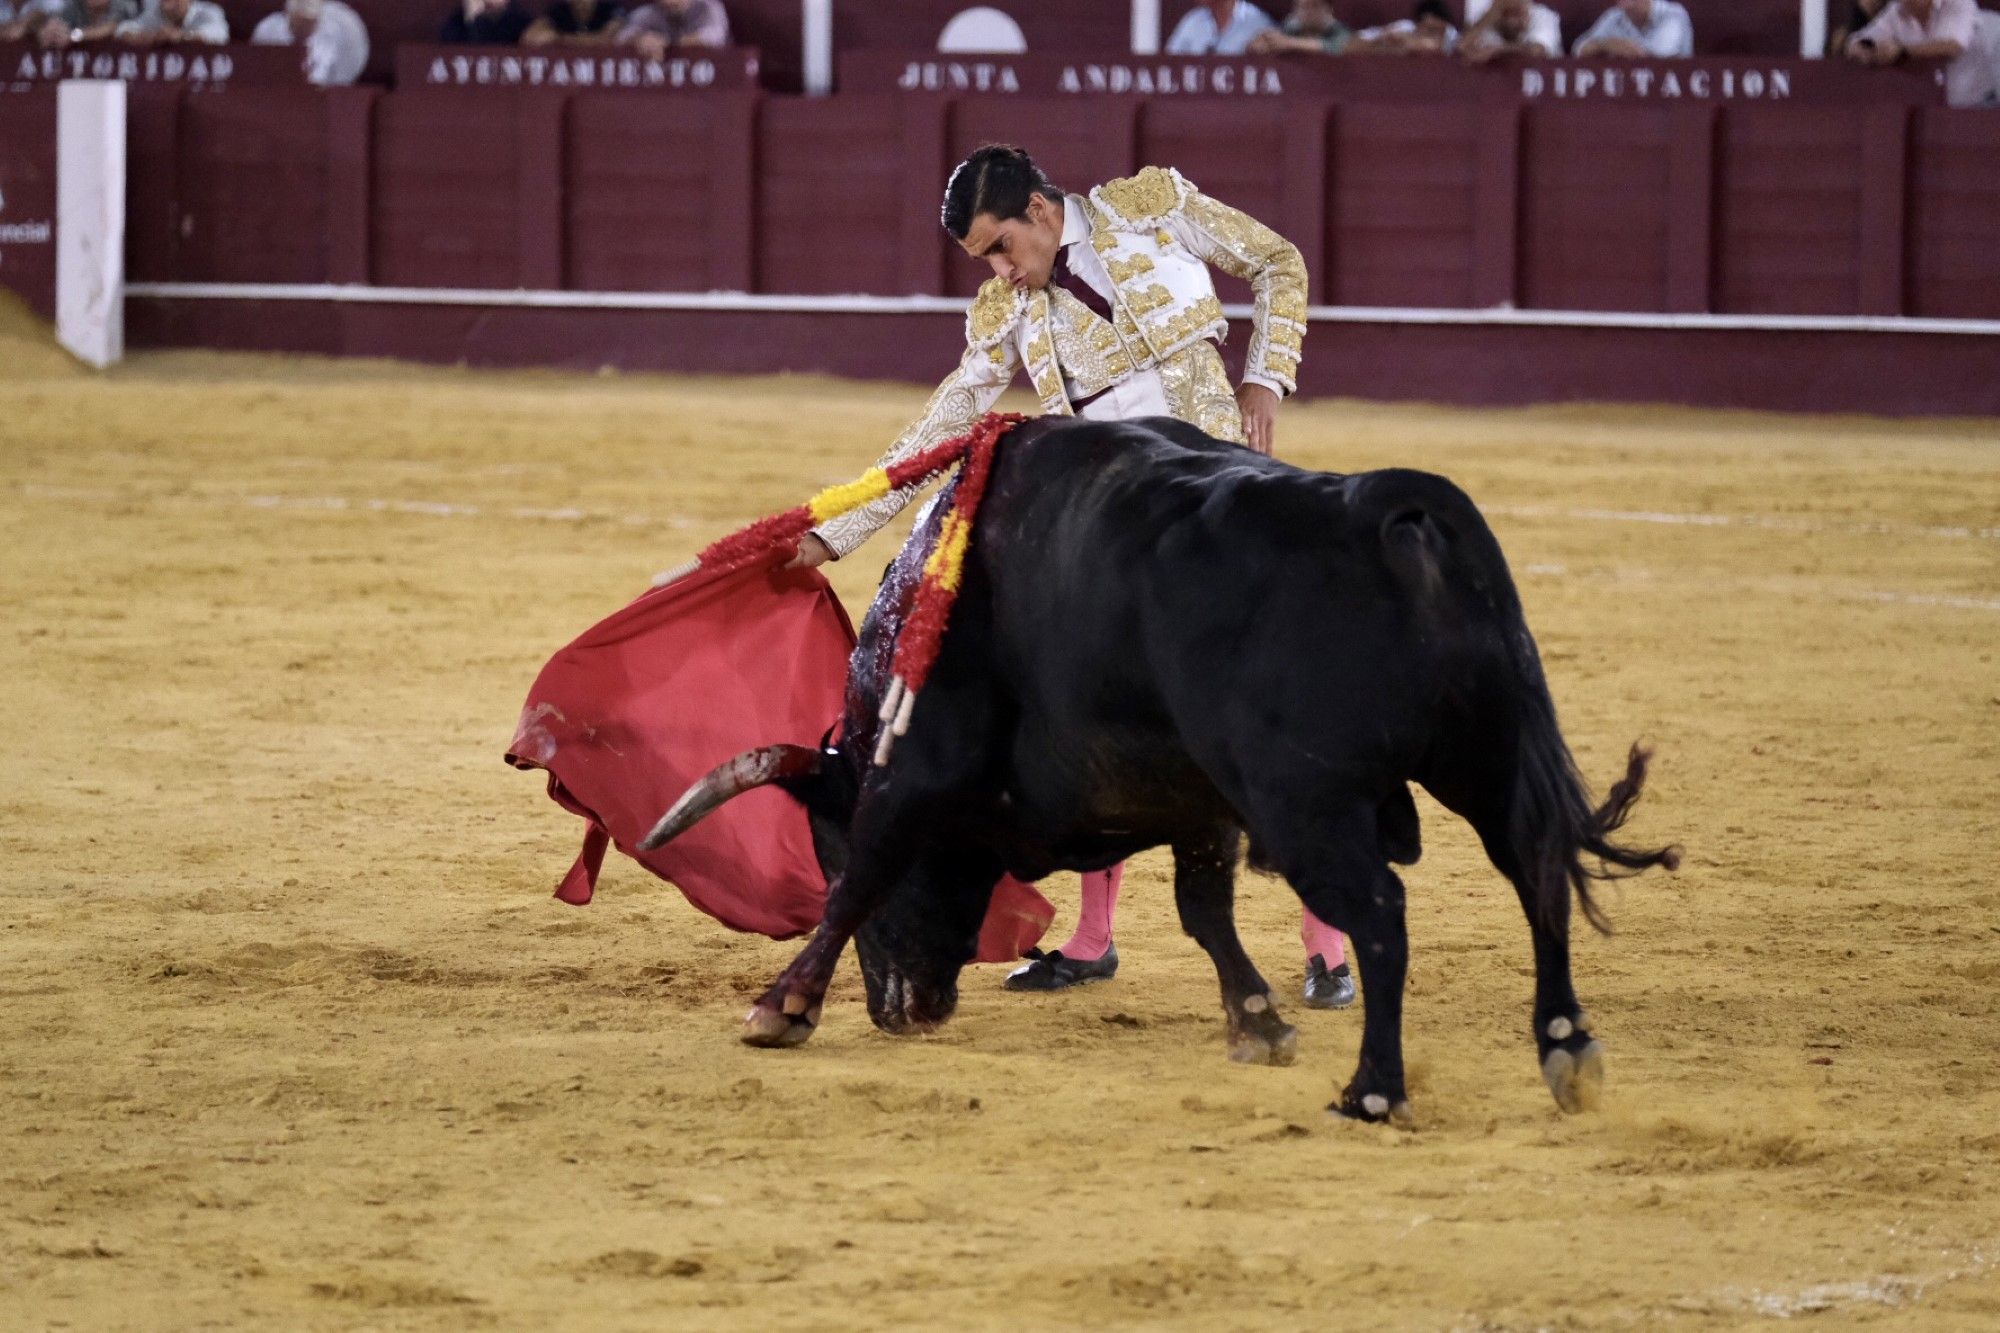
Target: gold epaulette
(1142, 200)
(992, 313)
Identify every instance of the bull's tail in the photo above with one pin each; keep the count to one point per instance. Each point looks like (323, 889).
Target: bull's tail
(1552, 827)
(1440, 548)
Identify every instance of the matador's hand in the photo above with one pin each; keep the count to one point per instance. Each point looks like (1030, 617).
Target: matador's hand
(812, 553)
(1259, 409)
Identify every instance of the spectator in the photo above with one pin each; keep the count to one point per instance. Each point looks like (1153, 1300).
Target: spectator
(1956, 31)
(1859, 14)
(1427, 32)
(576, 22)
(57, 23)
(484, 23)
(664, 24)
(1513, 28)
(1640, 30)
(335, 39)
(1218, 28)
(1311, 30)
(174, 22)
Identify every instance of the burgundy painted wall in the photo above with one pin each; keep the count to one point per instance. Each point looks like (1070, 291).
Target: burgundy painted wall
(28, 184)
(1866, 209)
(1873, 209)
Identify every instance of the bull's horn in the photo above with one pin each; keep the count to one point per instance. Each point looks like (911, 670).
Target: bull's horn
(752, 768)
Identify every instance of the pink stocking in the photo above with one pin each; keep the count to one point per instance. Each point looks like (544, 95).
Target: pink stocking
(1093, 923)
(1321, 939)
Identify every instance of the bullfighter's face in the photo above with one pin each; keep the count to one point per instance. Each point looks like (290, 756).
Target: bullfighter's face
(1022, 250)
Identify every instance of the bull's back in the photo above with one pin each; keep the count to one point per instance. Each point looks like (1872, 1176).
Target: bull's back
(1144, 573)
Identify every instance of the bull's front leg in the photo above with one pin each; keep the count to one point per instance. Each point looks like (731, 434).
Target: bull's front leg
(1205, 893)
(789, 1011)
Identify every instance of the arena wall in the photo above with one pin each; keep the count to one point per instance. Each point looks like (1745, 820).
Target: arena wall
(1856, 211)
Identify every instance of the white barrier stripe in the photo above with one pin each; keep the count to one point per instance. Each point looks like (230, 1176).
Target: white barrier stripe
(1770, 522)
(342, 504)
(442, 509)
(744, 302)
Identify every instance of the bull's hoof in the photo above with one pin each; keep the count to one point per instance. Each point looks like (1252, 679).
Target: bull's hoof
(775, 1026)
(1257, 1036)
(1374, 1108)
(1576, 1077)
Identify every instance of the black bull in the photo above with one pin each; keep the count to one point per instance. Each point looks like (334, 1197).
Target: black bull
(1163, 639)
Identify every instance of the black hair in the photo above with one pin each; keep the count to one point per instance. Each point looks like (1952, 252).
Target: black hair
(1431, 9)
(997, 179)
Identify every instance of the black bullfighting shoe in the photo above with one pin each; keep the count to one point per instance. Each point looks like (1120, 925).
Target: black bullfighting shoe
(1328, 988)
(1052, 971)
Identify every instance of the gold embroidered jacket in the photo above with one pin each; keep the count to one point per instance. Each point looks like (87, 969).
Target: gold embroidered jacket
(1157, 235)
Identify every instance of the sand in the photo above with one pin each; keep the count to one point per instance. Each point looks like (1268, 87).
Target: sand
(296, 1038)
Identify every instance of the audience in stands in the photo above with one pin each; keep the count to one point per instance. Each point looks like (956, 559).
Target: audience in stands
(1956, 31)
(57, 23)
(1640, 30)
(1858, 15)
(173, 22)
(576, 23)
(661, 26)
(335, 39)
(1218, 28)
(1513, 28)
(1427, 32)
(1310, 30)
(484, 23)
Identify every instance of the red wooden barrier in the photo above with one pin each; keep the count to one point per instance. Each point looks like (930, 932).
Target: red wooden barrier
(28, 199)
(658, 192)
(447, 187)
(1954, 231)
(1404, 215)
(833, 184)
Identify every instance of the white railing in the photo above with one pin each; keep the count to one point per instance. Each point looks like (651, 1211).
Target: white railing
(1145, 27)
(1812, 28)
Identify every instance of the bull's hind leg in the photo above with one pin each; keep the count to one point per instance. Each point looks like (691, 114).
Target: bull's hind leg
(1340, 875)
(1205, 893)
(1572, 1059)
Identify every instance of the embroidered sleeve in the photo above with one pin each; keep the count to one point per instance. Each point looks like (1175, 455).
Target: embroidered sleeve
(1243, 247)
(987, 368)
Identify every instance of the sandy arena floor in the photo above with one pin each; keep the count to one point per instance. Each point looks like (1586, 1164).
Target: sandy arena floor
(295, 1037)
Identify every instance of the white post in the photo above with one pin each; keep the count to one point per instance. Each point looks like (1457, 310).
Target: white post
(816, 16)
(90, 220)
(1812, 28)
(1145, 27)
